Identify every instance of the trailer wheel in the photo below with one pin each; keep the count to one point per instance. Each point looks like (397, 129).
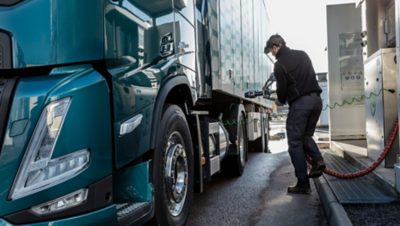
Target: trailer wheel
(238, 147)
(261, 144)
(173, 169)
(241, 158)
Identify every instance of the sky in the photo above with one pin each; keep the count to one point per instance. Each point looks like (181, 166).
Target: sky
(302, 23)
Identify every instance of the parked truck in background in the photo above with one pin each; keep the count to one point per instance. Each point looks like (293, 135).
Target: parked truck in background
(116, 111)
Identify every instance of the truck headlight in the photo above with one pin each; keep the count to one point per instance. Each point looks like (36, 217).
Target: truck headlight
(37, 170)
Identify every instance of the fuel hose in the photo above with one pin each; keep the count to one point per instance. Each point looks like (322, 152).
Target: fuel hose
(373, 166)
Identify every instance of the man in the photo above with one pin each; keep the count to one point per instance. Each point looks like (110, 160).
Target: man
(297, 86)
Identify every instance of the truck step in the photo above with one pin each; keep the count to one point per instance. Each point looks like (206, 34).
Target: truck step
(128, 212)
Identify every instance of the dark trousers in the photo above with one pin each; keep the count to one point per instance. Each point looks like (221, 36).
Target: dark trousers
(300, 126)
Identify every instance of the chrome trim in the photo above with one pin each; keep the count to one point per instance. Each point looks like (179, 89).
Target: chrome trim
(215, 165)
(176, 174)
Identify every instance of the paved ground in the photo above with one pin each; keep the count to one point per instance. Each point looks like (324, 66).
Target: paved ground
(259, 197)
(283, 209)
(374, 214)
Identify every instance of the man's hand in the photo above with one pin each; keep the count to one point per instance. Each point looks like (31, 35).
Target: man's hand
(278, 103)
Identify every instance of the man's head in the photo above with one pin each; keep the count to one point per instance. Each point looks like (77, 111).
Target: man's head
(274, 43)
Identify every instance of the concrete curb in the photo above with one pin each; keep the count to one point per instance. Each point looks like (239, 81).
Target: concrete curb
(334, 211)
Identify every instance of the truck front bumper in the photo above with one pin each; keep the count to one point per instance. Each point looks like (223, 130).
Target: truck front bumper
(105, 216)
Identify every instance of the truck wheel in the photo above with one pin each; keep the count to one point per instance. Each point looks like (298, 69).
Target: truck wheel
(239, 160)
(238, 141)
(173, 169)
(262, 142)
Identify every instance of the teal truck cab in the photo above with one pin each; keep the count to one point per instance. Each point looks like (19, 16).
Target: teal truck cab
(116, 111)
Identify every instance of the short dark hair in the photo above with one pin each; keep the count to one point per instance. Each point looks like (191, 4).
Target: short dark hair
(274, 40)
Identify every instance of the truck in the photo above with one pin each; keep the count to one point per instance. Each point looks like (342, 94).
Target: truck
(114, 112)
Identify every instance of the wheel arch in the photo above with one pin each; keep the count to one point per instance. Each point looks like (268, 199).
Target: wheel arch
(174, 91)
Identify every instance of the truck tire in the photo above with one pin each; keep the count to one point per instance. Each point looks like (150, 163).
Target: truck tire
(238, 146)
(242, 144)
(173, 169)
(261, 145)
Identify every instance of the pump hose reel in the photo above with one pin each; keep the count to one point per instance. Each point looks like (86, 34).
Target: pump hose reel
(373, 166)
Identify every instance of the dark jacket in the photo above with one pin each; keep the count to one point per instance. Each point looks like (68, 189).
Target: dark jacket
(295, 75)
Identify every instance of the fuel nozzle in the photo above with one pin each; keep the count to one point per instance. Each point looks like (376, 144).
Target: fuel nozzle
(253, 93)
(266, 93)
(266, 90)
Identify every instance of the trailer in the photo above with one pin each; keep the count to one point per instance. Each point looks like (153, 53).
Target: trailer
(113, 112)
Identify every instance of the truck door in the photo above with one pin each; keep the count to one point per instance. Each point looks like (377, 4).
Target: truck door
(138, 36)
(185, 38)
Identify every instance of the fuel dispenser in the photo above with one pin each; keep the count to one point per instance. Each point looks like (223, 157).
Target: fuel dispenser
(381, 99)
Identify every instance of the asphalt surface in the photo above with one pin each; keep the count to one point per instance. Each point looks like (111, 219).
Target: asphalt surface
(258, 197)
(374, 214)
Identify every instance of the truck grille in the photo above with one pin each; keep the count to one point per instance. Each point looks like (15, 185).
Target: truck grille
(5, 51)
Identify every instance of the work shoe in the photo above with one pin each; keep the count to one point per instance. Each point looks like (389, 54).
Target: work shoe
(305, 190)
(317, 169)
